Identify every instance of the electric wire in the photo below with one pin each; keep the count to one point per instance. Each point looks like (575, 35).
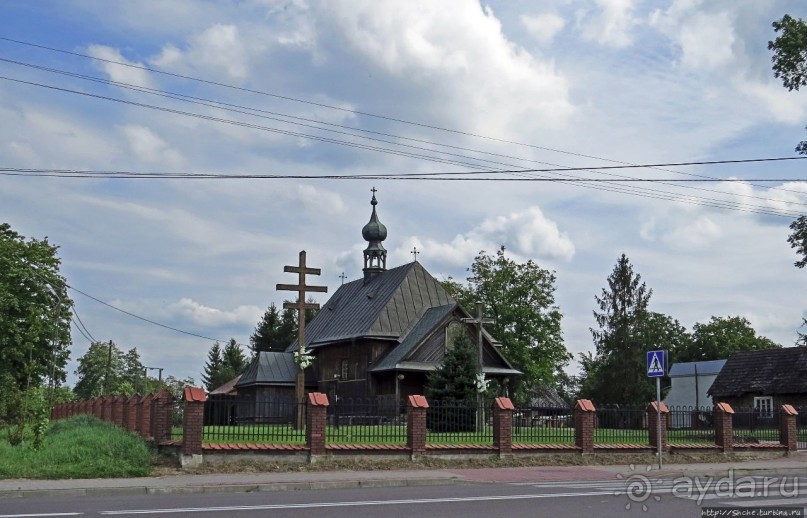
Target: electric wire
(323, 105)
(252, 112)
(75, 313)
(624, 189)
(144, 319)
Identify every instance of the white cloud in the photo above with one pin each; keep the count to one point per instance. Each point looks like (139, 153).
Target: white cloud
(527, 235)
(120, 73)
(543, 27)
(699, 233)
(149, 147)
(456, 54)
(612, 24)
(212, 317)
(219, 48)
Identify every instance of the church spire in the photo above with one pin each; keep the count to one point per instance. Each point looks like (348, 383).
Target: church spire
(375, 255)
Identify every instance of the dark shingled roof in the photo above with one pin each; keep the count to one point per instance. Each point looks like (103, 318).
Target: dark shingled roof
(430, 319)
(383, 307)
(768, 372)
(270, 367)
(704, 368)
(226, 389)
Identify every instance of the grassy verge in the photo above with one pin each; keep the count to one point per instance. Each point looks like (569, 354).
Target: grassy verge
(79, 447)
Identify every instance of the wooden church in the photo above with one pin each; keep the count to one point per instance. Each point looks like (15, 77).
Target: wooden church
(377, 336)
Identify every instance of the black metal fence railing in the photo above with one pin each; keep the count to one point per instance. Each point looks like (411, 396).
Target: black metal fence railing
(621, 425)
(690, 425)
(755, 425)
(459, 422)
(801, 428)
(365, 421)
(177, 415)
(229, 419)
(543, 425)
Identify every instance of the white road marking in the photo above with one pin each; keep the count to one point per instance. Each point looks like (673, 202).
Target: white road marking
(352, 504)
(41, 515)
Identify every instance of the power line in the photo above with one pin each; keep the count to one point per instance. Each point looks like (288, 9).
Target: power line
(323, 105)
(251, 112)
(439, 175)
(88, 334)
(622, 189)
(146, 319)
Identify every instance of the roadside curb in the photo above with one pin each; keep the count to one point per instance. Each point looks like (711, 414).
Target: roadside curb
(226, 488)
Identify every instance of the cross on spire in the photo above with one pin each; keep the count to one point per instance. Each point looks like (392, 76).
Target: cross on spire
(415, 252)
(374, 190)
(343, 277)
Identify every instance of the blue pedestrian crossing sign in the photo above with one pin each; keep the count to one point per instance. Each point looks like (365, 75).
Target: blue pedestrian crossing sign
(656, 360)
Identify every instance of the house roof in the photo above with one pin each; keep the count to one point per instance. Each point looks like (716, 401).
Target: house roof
(227, 389)
(384, 307)
(547, 397)
(703, 368)
(267, 367)
(431, 317)
(768, 372)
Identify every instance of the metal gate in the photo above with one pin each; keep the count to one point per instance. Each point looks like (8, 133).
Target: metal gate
(801, 428)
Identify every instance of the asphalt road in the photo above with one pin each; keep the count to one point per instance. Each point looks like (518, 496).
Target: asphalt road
(635, 496)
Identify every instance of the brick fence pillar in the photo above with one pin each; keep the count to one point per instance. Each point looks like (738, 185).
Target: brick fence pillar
(416, 425)
(161, 412)
(787, 427)
(503, 425)
(98, 408)
(652, 425)
(584, 413)
(117, 410)
(145, 416)
(193, 420)
(130, 412)
(315, 425)
(106, 408)
(724, 427)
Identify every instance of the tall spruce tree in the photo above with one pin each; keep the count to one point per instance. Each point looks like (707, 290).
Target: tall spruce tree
(455, 378)
(275, 331)
(616, 374)
(223, 364)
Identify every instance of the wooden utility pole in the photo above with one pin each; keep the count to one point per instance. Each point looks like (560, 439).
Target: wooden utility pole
(479, 320)
(301, 306)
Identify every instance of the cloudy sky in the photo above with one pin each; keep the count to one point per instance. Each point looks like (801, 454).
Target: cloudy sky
(307, 88)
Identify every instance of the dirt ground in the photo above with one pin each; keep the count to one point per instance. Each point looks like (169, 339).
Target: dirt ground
(164, 465)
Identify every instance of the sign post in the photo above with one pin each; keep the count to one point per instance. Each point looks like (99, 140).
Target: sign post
(656, 368)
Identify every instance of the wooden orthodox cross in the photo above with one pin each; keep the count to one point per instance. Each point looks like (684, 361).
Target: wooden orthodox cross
(479, 320)
(301, 306)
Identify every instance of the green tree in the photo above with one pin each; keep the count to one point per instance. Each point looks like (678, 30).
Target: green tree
(455, 377)
(798, 240)
(34, 312)
(721, 337)
(521, 297)
(451, 388)
(790, 52)
(107, 370)
(616, 373)
(223, 364)
(790, 65)
(210, 376)
(275, 331)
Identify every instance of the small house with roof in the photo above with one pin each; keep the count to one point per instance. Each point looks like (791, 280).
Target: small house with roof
(377, 337)
(764, 380)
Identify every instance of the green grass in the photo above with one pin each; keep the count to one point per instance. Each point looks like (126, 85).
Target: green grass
(78, 447)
